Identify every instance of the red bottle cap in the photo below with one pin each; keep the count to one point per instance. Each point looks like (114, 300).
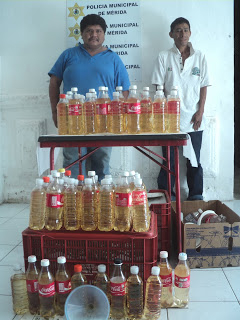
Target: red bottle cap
(46, 179)
(68, 173)
(81, 177)
(78, 268)
(62, 96)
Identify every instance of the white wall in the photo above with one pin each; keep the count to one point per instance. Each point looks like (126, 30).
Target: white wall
(34, 34)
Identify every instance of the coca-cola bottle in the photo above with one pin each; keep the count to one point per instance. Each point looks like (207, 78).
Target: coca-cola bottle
(46, 290)
(32, 285)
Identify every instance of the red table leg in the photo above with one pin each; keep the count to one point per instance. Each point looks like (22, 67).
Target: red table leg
(52, 158)
(168, 173)
(178, 199)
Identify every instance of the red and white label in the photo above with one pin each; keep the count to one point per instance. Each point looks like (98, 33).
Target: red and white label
(139, 198)
(182, 282)
(146, 107)
(133, 108)
(63, 286)
(54, 200)
(118, 289)
(101, 108)
(123, 199)
(166, 280)
(46, 290)
(32, 286)
(174, 107)
(74, 110)
(157, 108)
(115, 108)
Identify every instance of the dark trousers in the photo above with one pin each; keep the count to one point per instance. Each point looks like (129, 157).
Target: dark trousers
(194, 174)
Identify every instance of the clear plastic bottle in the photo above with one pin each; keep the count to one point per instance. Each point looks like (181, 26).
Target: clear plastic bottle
(62, 114)
(102, 281)
(166, 278)
(134, 294)
(181, 281)
(73, 112)
(121, 98)
(78, 278)
(62, 172)
(19, 291)
(46, 289)
(32, 285)
(141, 221)
(63, 285)
(106, 206)
(146, 113)
(46, 181)
(72, 214)
(89, 114)
(89, 206)
(118, 291)
(37, 206)
(80, 182)
(54, 204)
(173, 111)
(132, 179)
(115, 115)
(123, 204)
(133, 110)
(152, 306)
(159, 113)
(101, 111)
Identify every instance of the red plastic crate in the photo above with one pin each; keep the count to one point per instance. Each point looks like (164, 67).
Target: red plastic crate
(163, 211)
(93, 248)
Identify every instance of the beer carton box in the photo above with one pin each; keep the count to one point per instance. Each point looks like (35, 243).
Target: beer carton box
(210, 245)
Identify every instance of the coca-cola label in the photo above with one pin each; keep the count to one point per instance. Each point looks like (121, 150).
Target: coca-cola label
(174, 107)
(116, 108)
(166, 280)
(46, 290)
(73, 109)
(101, 108)
(134, 108)
(63, 286)
(157, 108)
(32, 286)
(182, 282)
(139, 198)
(123, 199)
(54, 200)
(118, 289)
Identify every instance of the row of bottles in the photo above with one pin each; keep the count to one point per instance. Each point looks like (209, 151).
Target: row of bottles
(134, 115)
(88, 206)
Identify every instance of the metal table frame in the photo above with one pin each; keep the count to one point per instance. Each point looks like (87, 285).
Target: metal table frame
(139, 142)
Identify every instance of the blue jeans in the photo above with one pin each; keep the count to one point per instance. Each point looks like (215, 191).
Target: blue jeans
(194, 174)
(98, 161)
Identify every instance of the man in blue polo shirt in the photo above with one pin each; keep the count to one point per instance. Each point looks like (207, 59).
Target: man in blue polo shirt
(86, 66)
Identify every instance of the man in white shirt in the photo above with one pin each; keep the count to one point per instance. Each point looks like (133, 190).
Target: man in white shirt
(186, 68)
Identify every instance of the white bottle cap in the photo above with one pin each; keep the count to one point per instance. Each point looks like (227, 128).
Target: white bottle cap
(137, 175)
(133, 87)
(61, 259)
(138, 181)
(145, 88)
(159, 93)
(163, 254)
(32, 259)
(91, 173)
(155, 271)
(102, 268)
(56, 174)
(39, 182)
(182, 256)
(125, 174)
(173, 92)
(174, 87)
(45, 263)
(119, 88)
(105, 181)
(92, 90)
(108, 176)
(101, 88)
(88, 181)
(134, 269)
(52, 171)
(115, 94)
(71, 181)
(89, 95)
(132, 173)
(74, 89)
(160, 87)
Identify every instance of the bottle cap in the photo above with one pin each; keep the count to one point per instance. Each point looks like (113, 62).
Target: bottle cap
(39, 181)
(61, 170)
(108, 176)
(173, 92)
(138, 181)
(163, 254)
(45, 263)
(80, 177)
(88, 95)
(145, 88)
(174, 87)
(71, 181)
(119, 88)
(102, 88)
(134, 269)
(91, 173)
(115, 94)
(74, 89)
(62, 96)
(56, 174)
(78, 268)
(118, 261)
(92, 90)
(46, 179)
(132, 173)
(61, 259)
(155, 271)
(102, 268)
(69, 93)
(125, 174)
(32, 259)
(105, 181)
(182, 256)
(160, 87)
(52, 171)
(68, 173)
(88, 181)
(133, 87)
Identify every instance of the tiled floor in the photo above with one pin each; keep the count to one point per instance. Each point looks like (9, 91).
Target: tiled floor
(214, 293)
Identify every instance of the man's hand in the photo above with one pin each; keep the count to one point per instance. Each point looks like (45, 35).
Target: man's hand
(197, 120)
(54, 117)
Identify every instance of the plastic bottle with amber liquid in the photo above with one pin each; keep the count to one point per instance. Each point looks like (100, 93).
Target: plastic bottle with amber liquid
(123, 205)
(78, 279)
(62, 114)
(166, 278)
(54, 204)
(19, 291)
(133, 111)
(173, 111)
(159, 113)
(46, 290)
(73, 112)
(102, 281)
(146, 113)
(118, 292)
(119, 89)
(89, 113)
(141, 217)
(106, 206)
(181, 281)
(32, 285)
(46, 181)
(134, 294)
(115, 115)
(72, 214)
(37, 206)
(89, 206)
(101, 112)
(63, 285)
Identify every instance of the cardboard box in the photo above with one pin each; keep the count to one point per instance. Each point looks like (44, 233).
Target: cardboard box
(211, 245)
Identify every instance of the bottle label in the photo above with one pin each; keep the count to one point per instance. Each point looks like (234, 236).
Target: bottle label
(139, 198)
(89, 110)
(46, 290)
(73, 109)
(54, 200)
(146, 107)
(134, 108)
(166, 280)
(123, 199)
(182, 282)
(157, 108)
(174, 107)
(63, 286)
(125, 107)
(118, 289)
(115, 109)
(32, 285)
(101, 108)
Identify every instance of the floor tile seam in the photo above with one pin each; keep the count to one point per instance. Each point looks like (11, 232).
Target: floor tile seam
(8, 253)
(230, 285)
(21, 210)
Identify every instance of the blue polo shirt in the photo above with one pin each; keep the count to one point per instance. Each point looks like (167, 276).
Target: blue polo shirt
(77, 68)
